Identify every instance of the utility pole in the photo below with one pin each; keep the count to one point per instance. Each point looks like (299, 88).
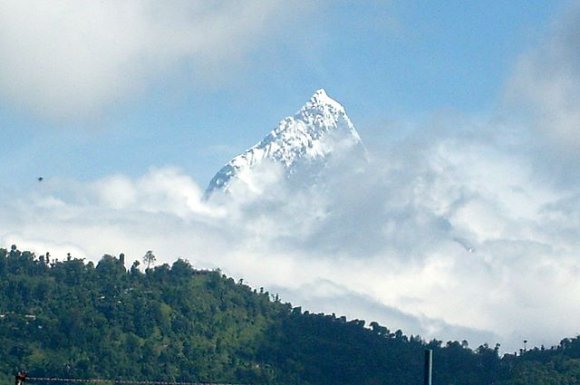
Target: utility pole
(428, 367)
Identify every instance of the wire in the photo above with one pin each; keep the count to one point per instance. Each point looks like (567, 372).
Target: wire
(127, 382)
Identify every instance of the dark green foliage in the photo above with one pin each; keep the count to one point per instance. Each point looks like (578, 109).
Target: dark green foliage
(173, 323)
(73, 319)
(559, 365)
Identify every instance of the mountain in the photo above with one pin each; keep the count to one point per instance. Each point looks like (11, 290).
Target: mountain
(304, 141)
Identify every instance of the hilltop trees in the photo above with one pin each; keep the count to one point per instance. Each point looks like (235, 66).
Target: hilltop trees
(76, 320)
(149, 258)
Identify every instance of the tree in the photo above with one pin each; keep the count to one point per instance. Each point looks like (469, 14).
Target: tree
(149, 258)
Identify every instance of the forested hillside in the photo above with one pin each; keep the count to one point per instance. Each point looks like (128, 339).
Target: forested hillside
(173, 323)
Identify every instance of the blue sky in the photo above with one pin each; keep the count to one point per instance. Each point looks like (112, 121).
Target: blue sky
(385, 61)
(464, 225)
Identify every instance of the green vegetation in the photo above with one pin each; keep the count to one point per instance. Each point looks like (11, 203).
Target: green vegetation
(174, 323)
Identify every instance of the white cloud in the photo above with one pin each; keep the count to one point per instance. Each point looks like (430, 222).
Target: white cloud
(453, 239)
(546, 82)
(164, 190)
(70, 59)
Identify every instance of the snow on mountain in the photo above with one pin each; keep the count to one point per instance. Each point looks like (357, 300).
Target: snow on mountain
(320, 128)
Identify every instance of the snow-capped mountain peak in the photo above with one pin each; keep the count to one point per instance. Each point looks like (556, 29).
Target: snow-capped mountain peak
(307, 138)
(321, 98)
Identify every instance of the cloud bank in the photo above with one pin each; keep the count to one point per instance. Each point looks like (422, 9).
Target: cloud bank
(450, 238)
(546, 82)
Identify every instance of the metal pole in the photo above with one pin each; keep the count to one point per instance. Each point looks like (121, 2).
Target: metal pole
(428, 366)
